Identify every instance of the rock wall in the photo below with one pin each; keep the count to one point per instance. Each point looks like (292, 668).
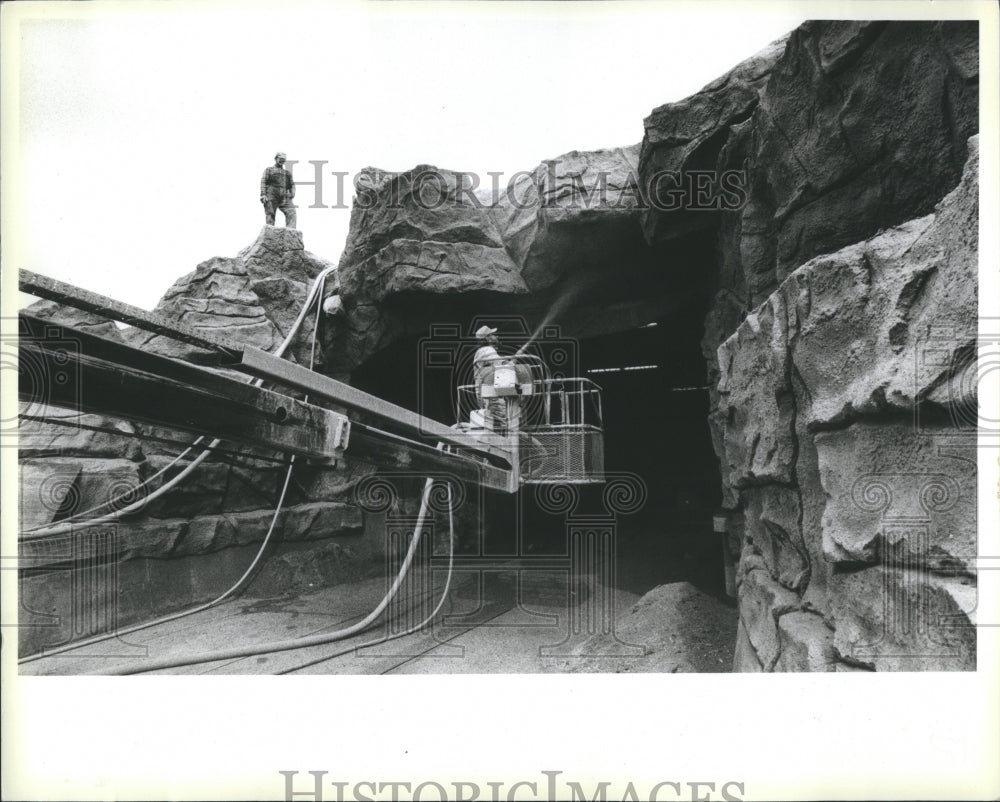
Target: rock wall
(845, 452)
(847, 416)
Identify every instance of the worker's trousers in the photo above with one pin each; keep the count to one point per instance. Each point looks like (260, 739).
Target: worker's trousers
(495, 418)
(285, 205)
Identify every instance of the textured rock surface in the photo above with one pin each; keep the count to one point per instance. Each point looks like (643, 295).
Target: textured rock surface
(844, 412)
(858, 128)
(423, 244)
(806, 644)
(897, 496)
(687, 136)
(424, 232)
(571, 215)
(76, 435)
(905, 618)
(89, 322)
(252, 298)
(762, 602)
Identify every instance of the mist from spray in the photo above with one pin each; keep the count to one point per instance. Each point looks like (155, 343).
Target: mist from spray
(557, 307)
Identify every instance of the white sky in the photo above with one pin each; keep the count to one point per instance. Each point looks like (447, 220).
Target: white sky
(144, 128)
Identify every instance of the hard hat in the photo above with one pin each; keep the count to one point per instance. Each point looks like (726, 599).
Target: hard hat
(483, 332)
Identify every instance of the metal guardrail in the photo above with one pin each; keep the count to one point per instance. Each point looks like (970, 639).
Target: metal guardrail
(559, 421)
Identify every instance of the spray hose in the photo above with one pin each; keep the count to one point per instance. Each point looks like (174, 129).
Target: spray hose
(329, 637)
(411, 630)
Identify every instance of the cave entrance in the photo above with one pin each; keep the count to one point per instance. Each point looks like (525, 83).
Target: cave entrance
(656, 406)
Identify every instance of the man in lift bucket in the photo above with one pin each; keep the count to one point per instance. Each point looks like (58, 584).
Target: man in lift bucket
(488, 367)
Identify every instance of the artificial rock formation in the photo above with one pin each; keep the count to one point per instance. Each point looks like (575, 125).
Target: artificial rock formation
(424, 241)
(810, 215)
(847, 416)
(848, 512)
(253, 297)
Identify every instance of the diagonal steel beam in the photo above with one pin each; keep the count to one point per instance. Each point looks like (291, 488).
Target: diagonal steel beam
(78, 298)
(87, 373)
(260, 363)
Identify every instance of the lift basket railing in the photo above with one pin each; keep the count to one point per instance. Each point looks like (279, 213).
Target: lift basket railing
(559, 420)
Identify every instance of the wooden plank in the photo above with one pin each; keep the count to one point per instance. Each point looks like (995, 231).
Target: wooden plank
(79, 298)
(262, 364)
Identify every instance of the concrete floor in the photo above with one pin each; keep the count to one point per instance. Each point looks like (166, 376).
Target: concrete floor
(501, 620)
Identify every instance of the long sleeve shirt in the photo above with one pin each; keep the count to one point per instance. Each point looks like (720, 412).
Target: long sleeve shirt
(277, 182)
(483, 362)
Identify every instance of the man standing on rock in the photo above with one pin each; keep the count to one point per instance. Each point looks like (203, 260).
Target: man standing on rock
(277, 191)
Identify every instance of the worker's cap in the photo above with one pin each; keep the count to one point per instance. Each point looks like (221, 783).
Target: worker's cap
(280, 155)
(483, 332)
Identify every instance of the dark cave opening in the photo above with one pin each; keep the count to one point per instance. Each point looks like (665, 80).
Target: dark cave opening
(655, 405)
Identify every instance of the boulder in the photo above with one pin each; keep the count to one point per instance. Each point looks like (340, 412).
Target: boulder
(252, 298)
